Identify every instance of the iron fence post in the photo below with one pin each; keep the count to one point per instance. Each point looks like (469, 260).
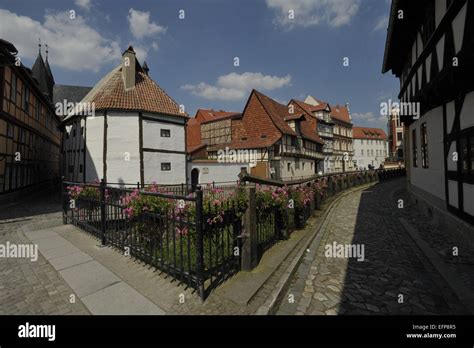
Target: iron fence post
(64, 201)
(199, 243)
(250, 242)
(102, 211)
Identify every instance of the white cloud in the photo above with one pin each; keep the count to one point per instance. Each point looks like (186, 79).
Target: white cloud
(142, 50)
(368, 116)
(84, 4)
(381, 23)
(247, 81)
(141, 53)
(235, 86)
(369, 119)
(141, 26)
(308, 13)
(207, 91)
(73, 44)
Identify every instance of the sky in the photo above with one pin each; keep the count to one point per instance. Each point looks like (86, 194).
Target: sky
(211, 53)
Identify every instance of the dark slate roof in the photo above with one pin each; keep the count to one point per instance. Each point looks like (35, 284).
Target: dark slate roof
(72, 94)
(48, 71)
(43, 76)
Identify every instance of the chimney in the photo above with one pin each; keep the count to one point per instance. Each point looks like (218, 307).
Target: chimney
(128, 68)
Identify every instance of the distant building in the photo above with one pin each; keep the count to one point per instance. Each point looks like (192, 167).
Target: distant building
(395, 137)
(30, 138)
(370, 147)
(431, 51)
(208, 127)
(339, 119)
(282, 142)
(136, 134)
(320, 115)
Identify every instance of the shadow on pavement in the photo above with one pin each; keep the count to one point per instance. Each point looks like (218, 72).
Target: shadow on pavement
(392, 278)
(39, 203)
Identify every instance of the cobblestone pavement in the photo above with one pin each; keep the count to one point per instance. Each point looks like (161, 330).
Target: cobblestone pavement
(394, 278)
(32, 287)
(393, 266)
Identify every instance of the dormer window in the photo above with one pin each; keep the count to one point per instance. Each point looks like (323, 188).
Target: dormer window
(263, 136)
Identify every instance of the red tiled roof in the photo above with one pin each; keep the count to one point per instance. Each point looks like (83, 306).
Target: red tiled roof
(310, 133)
(278, 112)
(341, 113)
(311, 108)
(193, 148)
(146, 96)
(193, 130)
(110, 94)
(368, 133)
(211, 115)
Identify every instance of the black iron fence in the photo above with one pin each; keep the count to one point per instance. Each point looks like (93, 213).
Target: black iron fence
(197, 237)
(193, 239)
(276, 222)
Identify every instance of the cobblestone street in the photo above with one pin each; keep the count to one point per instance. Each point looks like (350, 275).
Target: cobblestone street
(28, 287)
(394, 278)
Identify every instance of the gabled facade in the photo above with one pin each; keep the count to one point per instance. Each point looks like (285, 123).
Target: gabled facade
(370, 147)
(340, 151)
(284, 141)
(29, 129)
(208, 127)
(319, 114)
(431, 51)
(137, 133)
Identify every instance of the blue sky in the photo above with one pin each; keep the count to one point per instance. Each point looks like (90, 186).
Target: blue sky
(193, 58)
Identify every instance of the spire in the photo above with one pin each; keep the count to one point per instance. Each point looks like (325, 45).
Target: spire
(42, 73)
(48, 69)
(39, 46)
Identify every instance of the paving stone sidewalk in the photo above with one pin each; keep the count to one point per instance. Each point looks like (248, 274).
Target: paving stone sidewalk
(28, 287)
(393, 266)
(394, 278)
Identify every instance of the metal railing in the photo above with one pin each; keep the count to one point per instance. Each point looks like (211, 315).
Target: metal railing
(196, 241)
(198, 238)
